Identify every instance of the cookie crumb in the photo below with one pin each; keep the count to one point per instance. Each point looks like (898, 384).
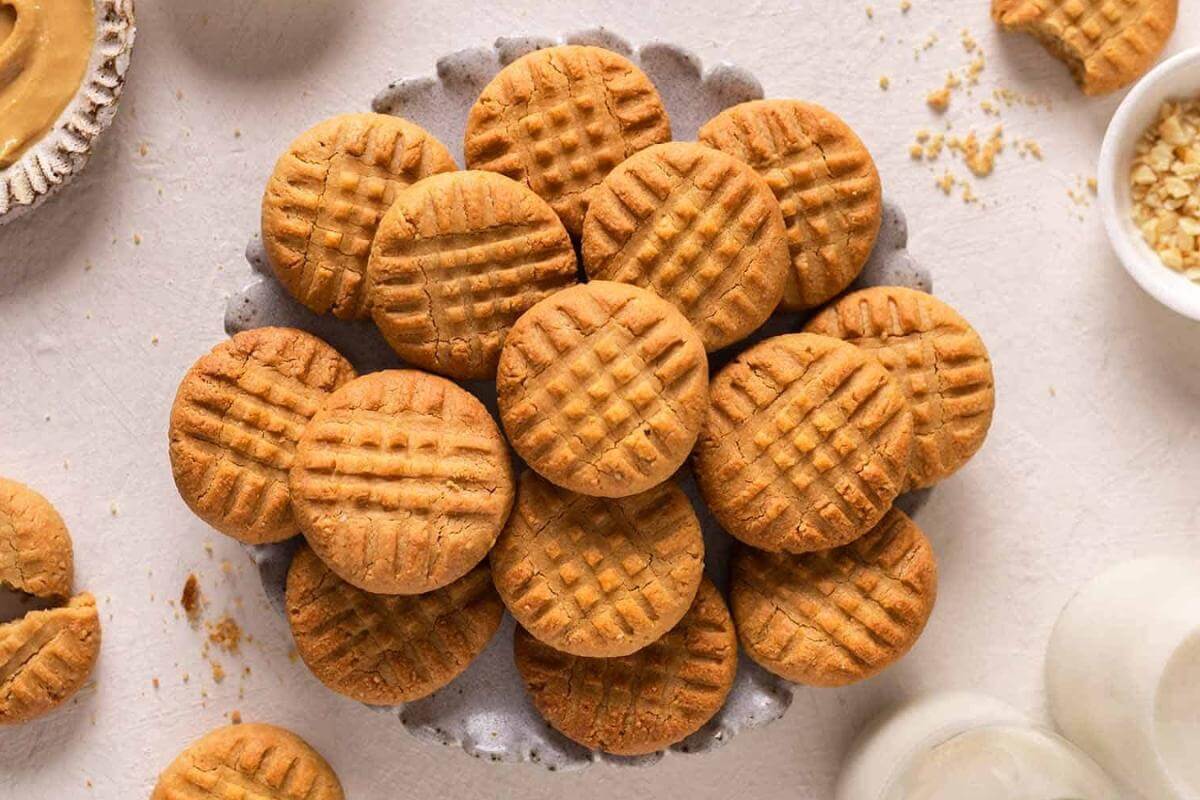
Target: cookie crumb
(226, 634)
(154, 683)
(938, 99)
(218, 672)
(870, 12)
(905, 6)
(884, 82)
(190, 598)
(235, 717)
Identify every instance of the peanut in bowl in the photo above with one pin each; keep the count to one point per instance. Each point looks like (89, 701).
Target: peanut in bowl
(1149, 183)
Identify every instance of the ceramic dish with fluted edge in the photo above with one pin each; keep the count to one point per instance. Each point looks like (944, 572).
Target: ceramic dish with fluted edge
(63, 151)
(485, 711)
(1176, 78)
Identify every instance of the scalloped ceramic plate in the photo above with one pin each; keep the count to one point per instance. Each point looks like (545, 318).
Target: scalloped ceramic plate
(63, 152)
(485, 711)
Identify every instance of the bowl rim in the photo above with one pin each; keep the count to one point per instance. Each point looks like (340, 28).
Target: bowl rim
(1143, 265)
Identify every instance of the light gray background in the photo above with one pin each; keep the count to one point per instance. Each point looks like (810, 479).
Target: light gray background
(1093, 457)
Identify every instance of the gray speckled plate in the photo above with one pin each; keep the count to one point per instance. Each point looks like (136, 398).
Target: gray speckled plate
(485, 711)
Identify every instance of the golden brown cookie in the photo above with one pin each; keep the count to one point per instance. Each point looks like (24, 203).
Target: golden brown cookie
(603, 388)
(1107, 44)
(699, 228)
(939, 361)
(387, 649)
(326, 197)
(402, 482)
(35, 549)
(643, 702)
(826, 183)
(595, 577)
(252, 760)
(235, 424)
(837, 616)
(457, 259)
(559, 119)
(45, 657)
(806, 444)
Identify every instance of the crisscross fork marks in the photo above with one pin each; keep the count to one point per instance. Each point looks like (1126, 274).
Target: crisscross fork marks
(45, 657)
(1095, 27)
(641, 702)
(807, 444)
(841, 615)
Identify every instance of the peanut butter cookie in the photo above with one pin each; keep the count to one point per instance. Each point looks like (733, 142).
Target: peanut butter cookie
(806, 444)
(595, 577)
(559, 119)
(252, 760)
(603, 388)
(457, 259)
(826, 183)
(326, 197)
(1107, 44)
(402, 482)
(45, 657)
(35, 549)
(643, 702)
(387, 649)
(235, 424)
(699, 228)
(838, 616)
(939, 361)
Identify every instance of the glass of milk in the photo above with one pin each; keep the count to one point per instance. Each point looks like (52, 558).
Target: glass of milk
(965, 746)
(1123, 675)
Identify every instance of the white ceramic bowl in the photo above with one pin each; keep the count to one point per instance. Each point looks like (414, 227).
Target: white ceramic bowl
(1178, 77)
(1123, 675)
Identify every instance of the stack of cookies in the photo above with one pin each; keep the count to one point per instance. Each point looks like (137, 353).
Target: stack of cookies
(418, 535)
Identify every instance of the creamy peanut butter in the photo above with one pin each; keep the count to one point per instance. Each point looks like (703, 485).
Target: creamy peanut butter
(45, 46)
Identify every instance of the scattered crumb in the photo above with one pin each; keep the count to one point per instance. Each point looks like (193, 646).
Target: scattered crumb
(218, 672)
(235, 717)
(143, 149)
(946, 182)
(237, 133)
(1092, 185)
(190, 599)
(884, 82)
(154, 683)
(905, 6)
(870, 12)
(938, 99)
(112, 506)
(226, 634)
(154, 340)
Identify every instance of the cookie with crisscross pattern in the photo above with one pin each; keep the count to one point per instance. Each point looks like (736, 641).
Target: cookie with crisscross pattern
(325, 199)
(458, 258)
(699, 228)
(1106, 43)
(559, 119)
(252, 760)
(597, 577)
(35, 549)
(235, 423)
(603, 388)
(940, 362)
(387, 649)
(806, 444)
(826, 184)
(640, 703)
(401, 482)
(45, 657)
(837, 616)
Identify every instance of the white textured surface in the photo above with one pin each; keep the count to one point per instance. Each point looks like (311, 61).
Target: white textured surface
(1070, 481)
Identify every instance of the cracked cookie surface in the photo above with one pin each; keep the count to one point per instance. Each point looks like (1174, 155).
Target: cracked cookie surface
(326, 197)
(559, 119)
(387, 649)
(603, 388)
(457, 259)
(597, 577)
(45, 657)
(806, 444)
(640, 703)
(1107, 44)
(235, 424)
(402, 482)
(939, 361)
(35, 548)
(251, 760)
(699, 228)
(826, 183)
(838, 616)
